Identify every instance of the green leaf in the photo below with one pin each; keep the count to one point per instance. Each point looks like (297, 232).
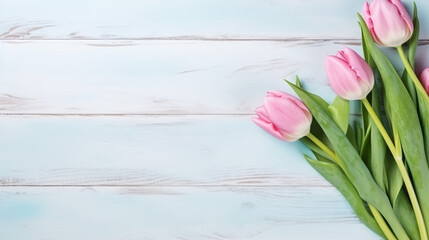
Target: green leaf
(339, 180)
(424, 119)
(405, 213)
(413, 42)
(378, 146)
(423, 107)
(404, 114)
(359, 135)
(352, 164)
(365, 150)
(412, 48)
(340, 112)
(297, 81)
(314, 148)
(395, 181)
(409, 84)
(352, 137)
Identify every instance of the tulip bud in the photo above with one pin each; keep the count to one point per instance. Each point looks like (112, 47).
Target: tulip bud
(284, 116)
(388, 21)
(349, 75)
(424, 79)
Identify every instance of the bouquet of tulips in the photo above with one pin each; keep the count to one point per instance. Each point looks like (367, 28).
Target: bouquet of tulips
(379, 162)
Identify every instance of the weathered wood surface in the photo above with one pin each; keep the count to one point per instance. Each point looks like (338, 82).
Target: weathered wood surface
(161, 177)
(158, 77)
(184, 19)
(147, 150)
(100, 213)
(131, 119)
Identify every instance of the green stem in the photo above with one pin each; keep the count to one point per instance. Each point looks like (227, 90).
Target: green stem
(377, 216)
(383, 225)
(412, 74)
(397, 154)
(322, 146)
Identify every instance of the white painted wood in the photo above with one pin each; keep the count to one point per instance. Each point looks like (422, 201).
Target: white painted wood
(184, 19)
(158, 77)
(132, 213)
(148, 151)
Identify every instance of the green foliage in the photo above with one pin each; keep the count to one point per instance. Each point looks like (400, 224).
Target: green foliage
(336, 177)
(361, 161)
(352, 164)
(404, 114)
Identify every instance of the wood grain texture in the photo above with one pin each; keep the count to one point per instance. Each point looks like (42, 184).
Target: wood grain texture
(148, 151)
(177, 213)
(184, 19)
(131, 119)
(158, 77)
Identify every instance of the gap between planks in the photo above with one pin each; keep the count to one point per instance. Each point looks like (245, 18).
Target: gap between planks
(192, 38)
(168, 186)
(133, 114)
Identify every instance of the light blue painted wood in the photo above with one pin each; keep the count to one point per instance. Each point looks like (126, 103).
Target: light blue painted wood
(167, 77)
(195, 19)
(158, 77)
(148, 150)
(185, 176)
(177, 213)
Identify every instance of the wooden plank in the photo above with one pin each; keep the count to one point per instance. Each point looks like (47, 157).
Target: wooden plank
(158, 77)
(148, 151)
(185, 19)
(177, 213)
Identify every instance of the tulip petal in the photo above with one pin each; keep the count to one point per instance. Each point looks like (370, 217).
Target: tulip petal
(286, 113)
(367, 17)
(424, 79)
(362, 69)
(389, 26)
(268, 127)
(262, 113)
(342, 78)
(404, 14)
(301, 130)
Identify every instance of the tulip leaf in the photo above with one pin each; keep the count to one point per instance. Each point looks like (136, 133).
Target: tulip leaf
(352, 137)
(409, 84)
(378, 146)
(414, 39)
(412, 48)
(403, 113)
(340, 112)
(339, 180)
(359, 135)
(297, 81)
(405, 213)
(395, 181)
(314, 148)
(352, 164)
(365, 140)
(423, 106)
(365, 149)
(424, 119)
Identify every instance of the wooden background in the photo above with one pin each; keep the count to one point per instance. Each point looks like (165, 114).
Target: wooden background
(131, 119)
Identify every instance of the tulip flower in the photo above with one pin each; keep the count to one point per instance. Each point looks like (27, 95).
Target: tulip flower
(388, 22)
(349, 75)
(284, 116)
(424, 79)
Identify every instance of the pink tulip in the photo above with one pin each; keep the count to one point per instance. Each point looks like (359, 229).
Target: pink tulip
(388, 21)
(349, 75)
(284, 116)
(424, 79)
